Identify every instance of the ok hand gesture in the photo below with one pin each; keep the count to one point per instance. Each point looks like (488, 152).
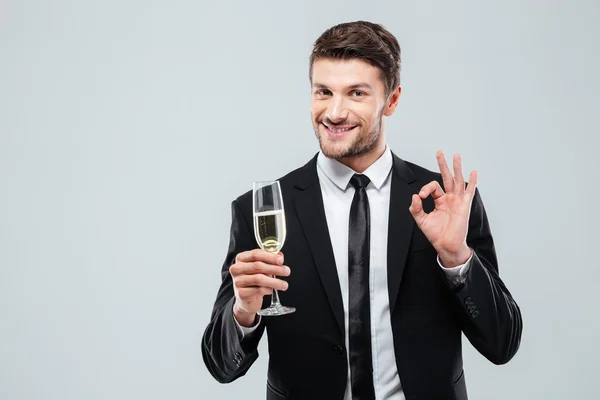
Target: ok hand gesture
(446, 226)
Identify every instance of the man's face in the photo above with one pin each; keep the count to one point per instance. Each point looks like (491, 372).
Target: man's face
(348, 106)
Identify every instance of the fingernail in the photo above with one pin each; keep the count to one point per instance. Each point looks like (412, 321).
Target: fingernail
(285, 285)
(279, 260)
(287, 270)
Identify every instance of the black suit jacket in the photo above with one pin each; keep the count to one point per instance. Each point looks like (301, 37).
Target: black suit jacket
(307, 354)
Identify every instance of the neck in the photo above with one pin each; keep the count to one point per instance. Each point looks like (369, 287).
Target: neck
(360, 163)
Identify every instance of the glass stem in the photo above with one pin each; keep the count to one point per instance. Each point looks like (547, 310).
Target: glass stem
(275, 297)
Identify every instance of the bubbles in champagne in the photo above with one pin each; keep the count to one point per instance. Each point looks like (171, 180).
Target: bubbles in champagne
(270, 230)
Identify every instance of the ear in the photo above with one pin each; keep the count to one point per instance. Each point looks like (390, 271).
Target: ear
(392, 102)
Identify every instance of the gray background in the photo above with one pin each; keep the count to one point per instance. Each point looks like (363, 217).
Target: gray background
(127, 127)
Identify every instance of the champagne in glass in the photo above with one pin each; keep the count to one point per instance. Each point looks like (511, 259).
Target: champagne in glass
(269, 227)
(270, 231)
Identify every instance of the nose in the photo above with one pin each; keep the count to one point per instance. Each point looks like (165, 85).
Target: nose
(336, 109)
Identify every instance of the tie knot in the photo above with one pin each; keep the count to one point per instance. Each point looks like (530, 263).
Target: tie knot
(359, 181)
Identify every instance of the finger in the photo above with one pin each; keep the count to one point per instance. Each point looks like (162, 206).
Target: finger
(472, 183)
(416, 208)
(265, 291)
(252, 292)
(260, 255)
(432, 188)
(447, 177)
(459, 181)
(260, 280)
(258, 267)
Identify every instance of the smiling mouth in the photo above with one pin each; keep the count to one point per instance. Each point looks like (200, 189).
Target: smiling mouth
(338, 131)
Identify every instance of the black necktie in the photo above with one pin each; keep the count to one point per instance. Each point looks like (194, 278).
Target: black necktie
(359, 320)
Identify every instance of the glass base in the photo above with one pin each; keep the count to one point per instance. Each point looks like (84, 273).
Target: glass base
(275, 310)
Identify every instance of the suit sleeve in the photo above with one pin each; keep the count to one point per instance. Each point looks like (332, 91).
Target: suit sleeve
(491, 319)
(227, 353)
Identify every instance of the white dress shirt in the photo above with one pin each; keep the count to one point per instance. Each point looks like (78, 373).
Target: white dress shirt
(334, 179)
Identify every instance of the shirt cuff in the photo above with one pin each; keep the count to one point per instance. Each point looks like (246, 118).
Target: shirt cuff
(244, 330)
(456, 275)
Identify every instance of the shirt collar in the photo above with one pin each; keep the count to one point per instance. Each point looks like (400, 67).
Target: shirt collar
(340, 174)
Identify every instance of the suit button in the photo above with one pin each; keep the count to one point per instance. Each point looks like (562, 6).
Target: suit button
(237, 359)
(339, 350)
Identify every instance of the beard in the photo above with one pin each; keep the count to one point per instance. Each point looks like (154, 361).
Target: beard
(362, 143)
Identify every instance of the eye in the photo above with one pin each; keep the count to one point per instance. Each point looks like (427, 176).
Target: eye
(358, 93)
(323, 92)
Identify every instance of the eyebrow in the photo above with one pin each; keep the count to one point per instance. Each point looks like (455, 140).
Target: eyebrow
(355, 86)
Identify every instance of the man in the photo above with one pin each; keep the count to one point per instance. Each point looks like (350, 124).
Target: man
(388, 262)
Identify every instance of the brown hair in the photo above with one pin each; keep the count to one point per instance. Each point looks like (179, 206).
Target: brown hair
(361, 40)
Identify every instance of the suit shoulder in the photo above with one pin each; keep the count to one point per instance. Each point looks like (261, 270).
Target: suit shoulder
(423, 174)
(286, 181)
(292, 177)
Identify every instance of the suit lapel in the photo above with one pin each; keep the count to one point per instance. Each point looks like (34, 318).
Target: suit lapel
(311, 214)
(400, 225)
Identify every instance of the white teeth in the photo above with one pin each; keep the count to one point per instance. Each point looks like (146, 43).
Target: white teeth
(339, 130)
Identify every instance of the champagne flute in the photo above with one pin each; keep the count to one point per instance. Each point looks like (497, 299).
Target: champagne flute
(270, 231)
